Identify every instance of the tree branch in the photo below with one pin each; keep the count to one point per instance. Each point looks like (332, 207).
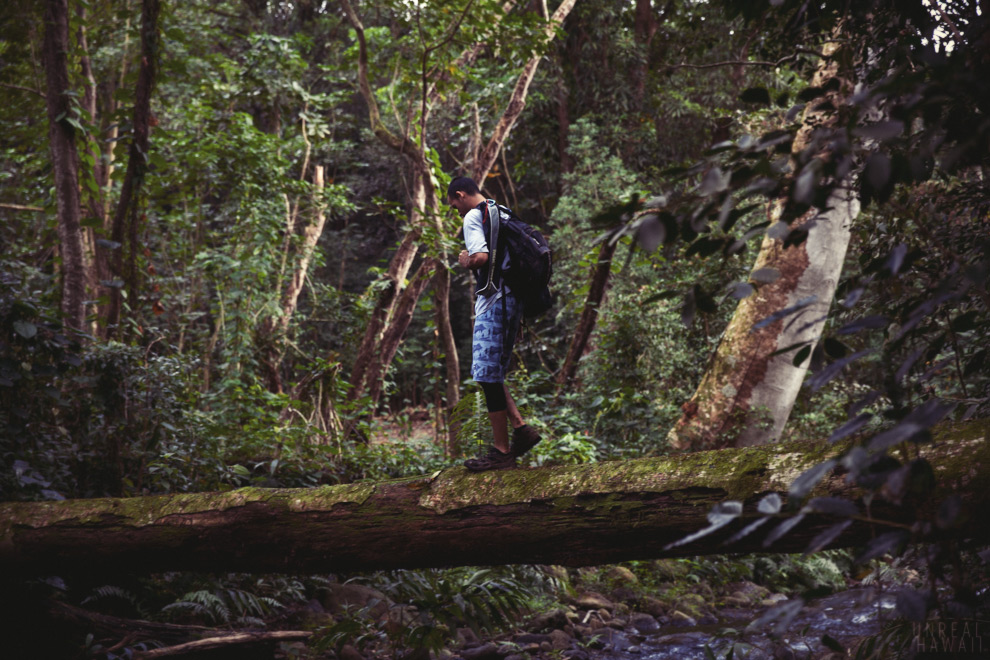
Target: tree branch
(23, 89)
(788, 58)
(215, 643)
(402, 145)
(518, 100)
(20, 207)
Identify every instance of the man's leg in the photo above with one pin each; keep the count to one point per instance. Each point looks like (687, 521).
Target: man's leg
(524, 436)
(500, 430)
(500, 456)
(513, 413)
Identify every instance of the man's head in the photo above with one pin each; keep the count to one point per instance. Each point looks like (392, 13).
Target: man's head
(463, 194)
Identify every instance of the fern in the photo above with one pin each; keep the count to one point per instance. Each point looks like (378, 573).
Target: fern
(109, 592)
(204, 604)
(470, 418)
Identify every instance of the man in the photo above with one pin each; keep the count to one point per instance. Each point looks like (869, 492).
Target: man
(497, 315)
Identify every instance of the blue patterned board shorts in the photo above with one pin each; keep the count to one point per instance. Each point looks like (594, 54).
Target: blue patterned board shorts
(495, 333)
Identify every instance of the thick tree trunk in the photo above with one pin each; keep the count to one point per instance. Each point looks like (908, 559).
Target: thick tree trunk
(589, 315)
(125, 221)
(747, 393)
(828, 238)
(570, 515)
(65, 162)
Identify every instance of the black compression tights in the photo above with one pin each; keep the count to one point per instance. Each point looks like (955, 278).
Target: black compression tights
(494, 396)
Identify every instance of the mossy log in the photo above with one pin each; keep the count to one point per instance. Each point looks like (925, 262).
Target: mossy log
(570, 515)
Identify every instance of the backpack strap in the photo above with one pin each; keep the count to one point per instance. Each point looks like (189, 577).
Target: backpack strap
(493, 221)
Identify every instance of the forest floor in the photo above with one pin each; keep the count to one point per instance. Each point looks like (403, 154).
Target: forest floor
(411, 425)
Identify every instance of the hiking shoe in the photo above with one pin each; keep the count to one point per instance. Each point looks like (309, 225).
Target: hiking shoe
(493, 460)
(524, 438)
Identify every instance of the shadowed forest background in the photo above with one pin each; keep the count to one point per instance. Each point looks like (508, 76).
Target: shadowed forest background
(226, 260)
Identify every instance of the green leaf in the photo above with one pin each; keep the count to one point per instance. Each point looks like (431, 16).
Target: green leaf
(876, 174)
(240, 470)
(825, 538)
(883, 544)
(755, 95)
(833, 645)
(770, 504)
(25, 329)
(883, 130)
(765, 275)
(663, 295)
(721, 515)
(965, 322)
(951, 513)
(801, 356)
(741, 290)
(834, 506)
(809, 479)
(835, 348)
(850, 427)
(807, 182)
(780, 530)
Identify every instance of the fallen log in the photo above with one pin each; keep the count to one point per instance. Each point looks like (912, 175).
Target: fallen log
(569, 515)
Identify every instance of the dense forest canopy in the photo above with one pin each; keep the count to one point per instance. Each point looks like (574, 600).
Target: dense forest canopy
(228, 260)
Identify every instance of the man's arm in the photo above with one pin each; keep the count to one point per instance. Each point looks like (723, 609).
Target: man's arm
(472, 261)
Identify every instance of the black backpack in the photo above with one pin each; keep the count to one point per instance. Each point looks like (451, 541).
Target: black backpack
(530, 263)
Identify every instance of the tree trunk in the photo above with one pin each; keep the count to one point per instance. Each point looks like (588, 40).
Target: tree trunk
(381, 315)
(404, 308)
(273, 329)
(125, 220)
(65, 162)
(589, 315)
(94, 201)
(747, 393)
(441, 317)
(563, 132)
(571, 515)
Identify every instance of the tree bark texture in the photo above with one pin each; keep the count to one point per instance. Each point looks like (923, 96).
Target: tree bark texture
(746, 395)
(125, 221)
(94, 202)
(589, 315)
(569, 515)
(65, 162)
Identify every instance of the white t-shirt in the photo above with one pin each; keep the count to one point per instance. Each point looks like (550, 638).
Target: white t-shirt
(474, 240)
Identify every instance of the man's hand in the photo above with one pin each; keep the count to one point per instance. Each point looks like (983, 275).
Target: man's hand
(472, 261)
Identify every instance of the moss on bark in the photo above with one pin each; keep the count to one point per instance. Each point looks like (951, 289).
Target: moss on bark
(573, 515)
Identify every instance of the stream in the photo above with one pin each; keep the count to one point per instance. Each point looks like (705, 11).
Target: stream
(844, 616)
